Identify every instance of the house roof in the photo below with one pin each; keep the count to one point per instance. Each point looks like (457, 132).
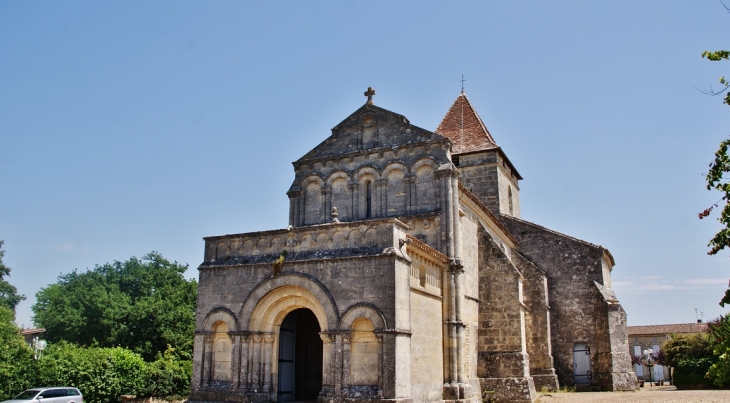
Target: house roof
(463, 126)
(28, 332)
(666, 329)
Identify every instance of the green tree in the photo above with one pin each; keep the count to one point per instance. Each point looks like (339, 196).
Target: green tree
(9, 296)
(719, 372)
(18, 369)
(144, 305)
(716, 174)
(691, 357)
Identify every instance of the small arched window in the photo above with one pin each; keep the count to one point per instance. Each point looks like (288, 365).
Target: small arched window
(368, 199)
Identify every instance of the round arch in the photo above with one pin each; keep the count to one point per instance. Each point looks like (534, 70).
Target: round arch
(365, 171)
(220, 314)
(340, 173)
(362, 310)
(270, 301)
(395, 165)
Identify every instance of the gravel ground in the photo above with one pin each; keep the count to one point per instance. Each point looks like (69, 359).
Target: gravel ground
(658, 394)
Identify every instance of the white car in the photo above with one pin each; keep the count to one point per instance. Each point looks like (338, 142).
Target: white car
(49, 395)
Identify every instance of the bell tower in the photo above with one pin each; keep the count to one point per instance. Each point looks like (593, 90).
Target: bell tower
(485, 169)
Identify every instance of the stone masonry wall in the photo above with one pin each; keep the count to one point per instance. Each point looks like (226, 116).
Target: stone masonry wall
(500, 314)
(572, 267)
(537, 324)
(353, 268)
(426, 347)
(488, 177)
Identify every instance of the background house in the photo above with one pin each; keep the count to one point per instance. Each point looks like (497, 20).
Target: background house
(652, 336)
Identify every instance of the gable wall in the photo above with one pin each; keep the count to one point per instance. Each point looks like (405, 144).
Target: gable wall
(571, 267)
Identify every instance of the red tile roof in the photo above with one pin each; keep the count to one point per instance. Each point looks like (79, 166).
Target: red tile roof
(465, 129)
(666, 329)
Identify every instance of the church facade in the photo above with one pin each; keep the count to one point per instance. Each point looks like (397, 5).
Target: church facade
(406, 275)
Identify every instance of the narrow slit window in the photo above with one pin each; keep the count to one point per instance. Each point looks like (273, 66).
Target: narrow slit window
(368, 199)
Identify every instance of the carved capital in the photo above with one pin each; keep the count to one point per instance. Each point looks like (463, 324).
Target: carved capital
(268, 338)
(327, 337)
(456, 267)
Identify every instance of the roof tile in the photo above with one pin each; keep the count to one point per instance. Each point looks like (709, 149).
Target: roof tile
(666, 329)
(465, 129)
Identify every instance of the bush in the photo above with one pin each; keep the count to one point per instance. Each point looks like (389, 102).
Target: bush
(102, 374)
(18, 369)
(692, 371)
(691, 357)
(168, 377)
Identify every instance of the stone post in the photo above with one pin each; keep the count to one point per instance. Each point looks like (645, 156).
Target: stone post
(382, 197)
(256, 364)
(410, 183)
(293, 208)
(207, 360)
(198, 361)
(380, 360)
(328, 357)
(337, 368)
(346, 339)
(245, 374)
(302, 201)
(235, 359)
(354, 211)
(396, 364)
(267, 351)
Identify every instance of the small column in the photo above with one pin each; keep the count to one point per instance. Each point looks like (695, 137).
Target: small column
(328, 357)
(338, 365)
(245, 374)
(458, 270)
(410, 183)
(380, 360)
(346, 339)
(235, 359)
(268, 345)
(293, 207)
(323, 209)
(354, 211)
(256, 364)
(382, 187)
(207, 360)
(302, 202)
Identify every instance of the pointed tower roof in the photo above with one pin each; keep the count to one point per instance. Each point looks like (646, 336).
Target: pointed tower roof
(463, 126)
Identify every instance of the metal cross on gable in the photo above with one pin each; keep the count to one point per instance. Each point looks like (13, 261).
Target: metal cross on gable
(369, 93)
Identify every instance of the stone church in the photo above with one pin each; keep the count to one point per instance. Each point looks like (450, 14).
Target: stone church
(406, 274)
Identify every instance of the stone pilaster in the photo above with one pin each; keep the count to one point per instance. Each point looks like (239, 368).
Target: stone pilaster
(207, 360)
(256, 363)
(267, 351)
(346, 345)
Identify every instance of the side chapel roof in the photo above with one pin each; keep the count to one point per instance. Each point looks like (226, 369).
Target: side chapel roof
(474, 137)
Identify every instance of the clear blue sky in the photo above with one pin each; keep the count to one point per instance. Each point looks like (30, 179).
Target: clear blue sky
(128, 127)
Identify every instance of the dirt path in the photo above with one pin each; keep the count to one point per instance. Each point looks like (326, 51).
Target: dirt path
(656, 394)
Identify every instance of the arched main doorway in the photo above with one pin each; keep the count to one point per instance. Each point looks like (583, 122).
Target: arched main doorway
(300, 357)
